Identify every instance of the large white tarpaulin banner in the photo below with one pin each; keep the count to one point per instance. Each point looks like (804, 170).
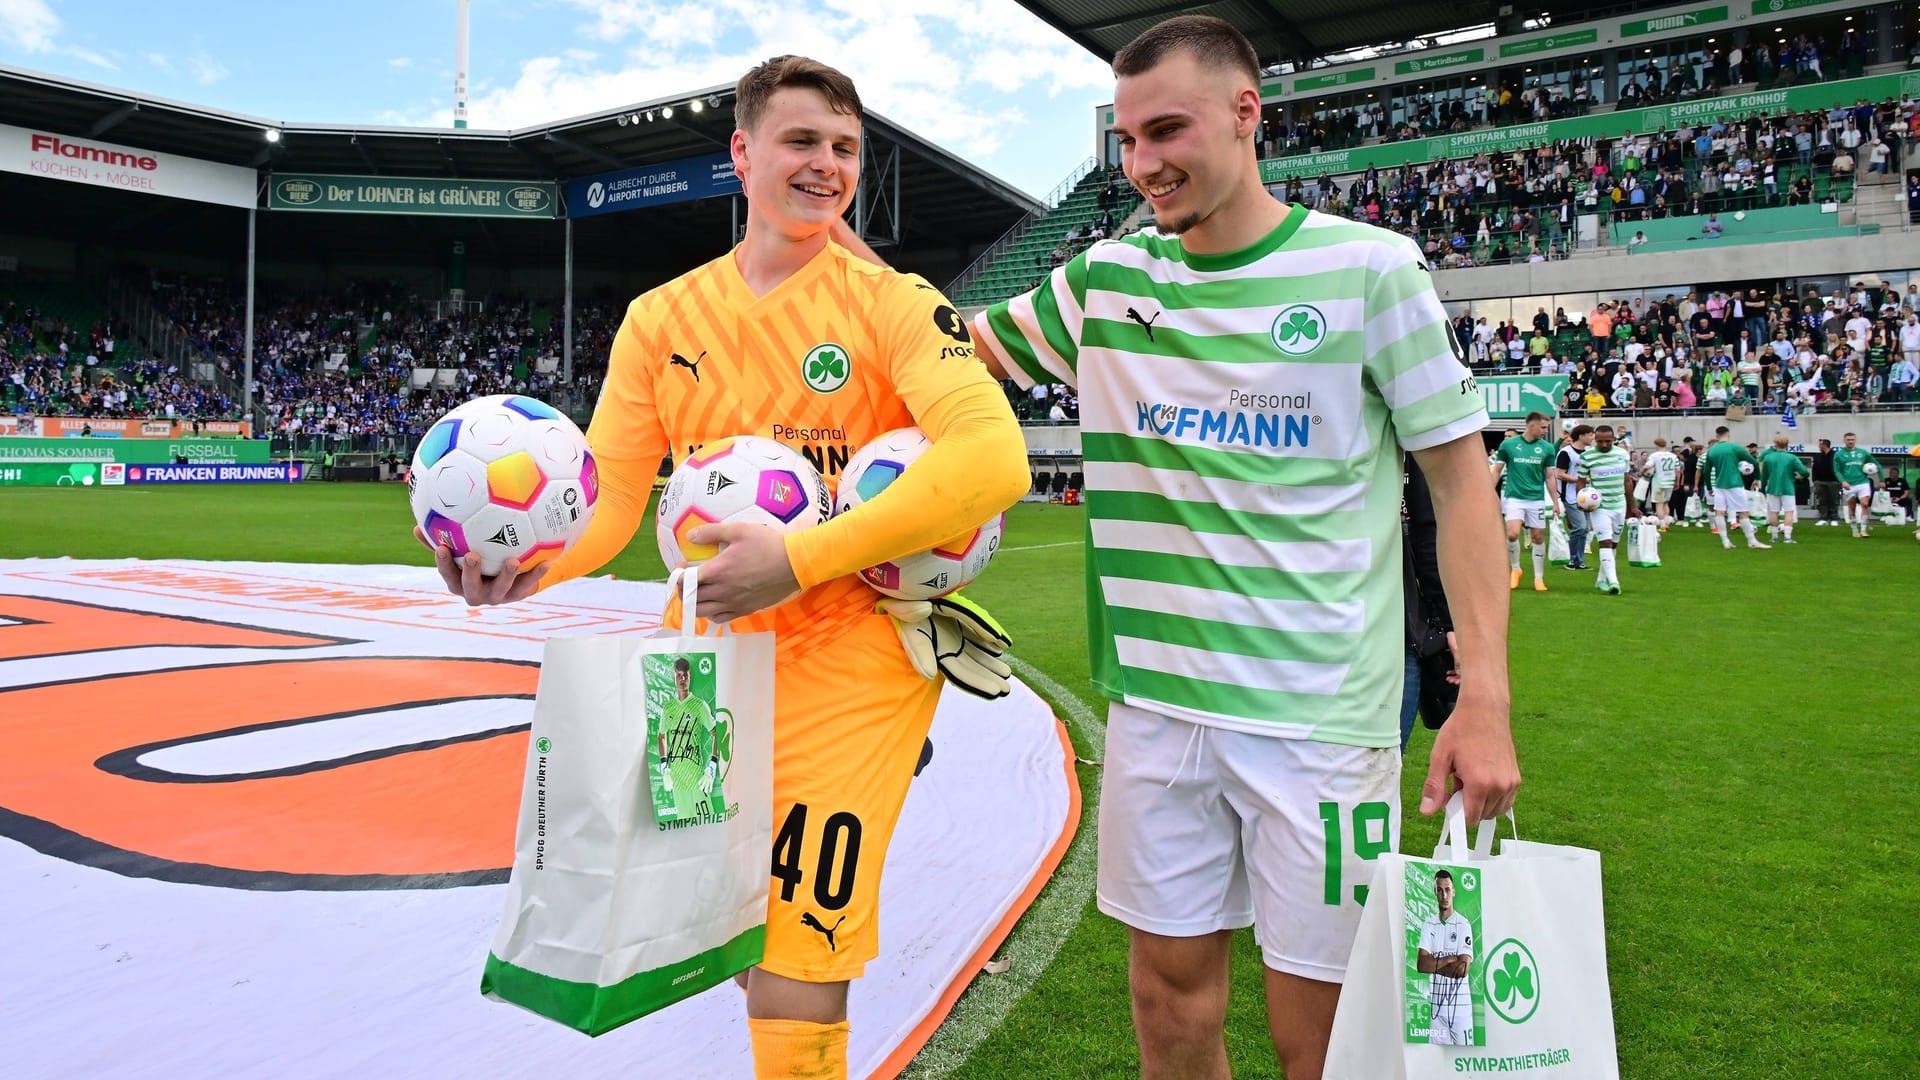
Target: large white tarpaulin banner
(102, 164)
(256, 819)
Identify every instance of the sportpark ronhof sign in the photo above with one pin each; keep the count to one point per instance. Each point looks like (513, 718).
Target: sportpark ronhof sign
(110, 165)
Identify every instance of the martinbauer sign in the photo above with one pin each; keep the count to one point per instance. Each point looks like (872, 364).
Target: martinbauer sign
(109, 165)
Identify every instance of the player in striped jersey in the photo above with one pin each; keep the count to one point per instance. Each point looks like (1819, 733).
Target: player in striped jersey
(1605, 467)
(1249, 375)
(1663, 466)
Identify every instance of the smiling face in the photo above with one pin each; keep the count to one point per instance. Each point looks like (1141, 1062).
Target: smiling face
(1183, 128)
(799, 162)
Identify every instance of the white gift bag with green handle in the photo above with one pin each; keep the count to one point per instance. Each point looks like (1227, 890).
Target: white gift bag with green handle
(646, 820)
(1477, 964)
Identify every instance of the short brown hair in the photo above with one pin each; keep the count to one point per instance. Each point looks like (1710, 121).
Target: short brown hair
(1213, 42)
(756, 88)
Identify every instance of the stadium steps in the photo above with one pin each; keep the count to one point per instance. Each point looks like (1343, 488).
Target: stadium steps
(1883, 204)
(1025, 261)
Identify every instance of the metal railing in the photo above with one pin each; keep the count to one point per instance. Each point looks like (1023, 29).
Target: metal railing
(1019, 230)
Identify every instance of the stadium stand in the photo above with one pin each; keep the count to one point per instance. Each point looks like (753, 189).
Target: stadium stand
(1096, 206)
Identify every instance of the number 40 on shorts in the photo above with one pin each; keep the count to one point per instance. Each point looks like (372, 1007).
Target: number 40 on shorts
(1368, 827)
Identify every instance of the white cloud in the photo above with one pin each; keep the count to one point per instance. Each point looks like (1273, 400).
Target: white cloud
(32, 27)
(160, 61)
(400, 63)
(28, 25)
(963, 73)
(205, 70)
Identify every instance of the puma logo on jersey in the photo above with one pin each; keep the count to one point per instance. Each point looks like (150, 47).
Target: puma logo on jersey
(807, 920)
(690, 365)
(1145, 324)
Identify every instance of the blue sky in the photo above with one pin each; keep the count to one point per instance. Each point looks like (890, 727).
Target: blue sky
(982, 78)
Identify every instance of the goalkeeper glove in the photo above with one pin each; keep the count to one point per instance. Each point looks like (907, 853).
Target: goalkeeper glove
(956, 637)
(666, 779)
(707, 777)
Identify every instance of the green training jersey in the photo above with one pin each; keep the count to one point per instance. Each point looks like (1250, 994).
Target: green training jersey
(1243, 417)
(1777, 470)
(1606, 471)
(688, 725)
(1847, 465)
(1723, 463)
(1526, 467)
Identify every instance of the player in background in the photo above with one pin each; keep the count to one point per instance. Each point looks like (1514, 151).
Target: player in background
(1521, 463)
(1446, 954)
(1663, 467)
(1777, 471)
(844, 749)
(1252, 749)
(1849, 464)
(1565, 463)
(1606, 468)
(1721, 475)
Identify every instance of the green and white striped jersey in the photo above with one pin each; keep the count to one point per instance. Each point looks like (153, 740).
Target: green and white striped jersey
(1242, 418)
(1606, 471)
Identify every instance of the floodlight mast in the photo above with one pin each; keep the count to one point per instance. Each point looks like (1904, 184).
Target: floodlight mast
(460, 65)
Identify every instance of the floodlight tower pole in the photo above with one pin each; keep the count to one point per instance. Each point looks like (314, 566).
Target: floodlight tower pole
(460, 65)
(566, 314)
(246, 386)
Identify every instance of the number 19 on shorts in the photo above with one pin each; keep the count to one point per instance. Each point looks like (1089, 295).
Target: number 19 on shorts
(1368, 827)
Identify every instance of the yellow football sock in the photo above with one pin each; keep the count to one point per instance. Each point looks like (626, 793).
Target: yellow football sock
(796, 1049)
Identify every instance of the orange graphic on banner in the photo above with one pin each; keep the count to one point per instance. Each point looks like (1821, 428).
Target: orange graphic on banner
(74, 784)
(32, 627)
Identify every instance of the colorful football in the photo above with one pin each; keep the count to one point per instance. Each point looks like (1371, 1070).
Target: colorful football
(743, 478)
(946, 568)
(507, 477)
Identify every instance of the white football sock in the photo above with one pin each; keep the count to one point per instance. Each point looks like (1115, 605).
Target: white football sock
(1788, 528)
(1720, 522)
(1513, 554)
(1539, 561)
(1607, 573)
(1747, 527)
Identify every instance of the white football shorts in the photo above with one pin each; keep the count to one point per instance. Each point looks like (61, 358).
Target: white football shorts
(1781, 504)
(1605, 524)
(1205, 829)
(1860, 491)
(1730, 500)
(1529, 512)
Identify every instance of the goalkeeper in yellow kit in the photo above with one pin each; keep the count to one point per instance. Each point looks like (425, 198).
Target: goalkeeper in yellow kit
(790, 336)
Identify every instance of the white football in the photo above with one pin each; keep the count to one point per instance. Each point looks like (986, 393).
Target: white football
(941, 570)
(507, 476)
(743, 478)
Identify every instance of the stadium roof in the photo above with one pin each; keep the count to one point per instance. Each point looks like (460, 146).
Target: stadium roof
(1300, 31)
(945, 203)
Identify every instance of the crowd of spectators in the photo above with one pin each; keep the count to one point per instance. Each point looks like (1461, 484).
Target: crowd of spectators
(1799, 59)
(1753, 349)
(1522, 205)
(50, 368)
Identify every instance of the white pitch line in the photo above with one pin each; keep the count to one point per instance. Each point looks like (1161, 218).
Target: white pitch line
(1041, 547)
(1038, 935)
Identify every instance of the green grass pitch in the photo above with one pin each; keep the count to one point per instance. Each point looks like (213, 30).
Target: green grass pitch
(1734, 735)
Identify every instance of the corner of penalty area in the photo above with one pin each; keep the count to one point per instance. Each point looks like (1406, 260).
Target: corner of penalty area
(256, 812)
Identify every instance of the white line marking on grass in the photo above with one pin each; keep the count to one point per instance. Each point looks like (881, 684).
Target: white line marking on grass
(1044, 928)
(1041, 547)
